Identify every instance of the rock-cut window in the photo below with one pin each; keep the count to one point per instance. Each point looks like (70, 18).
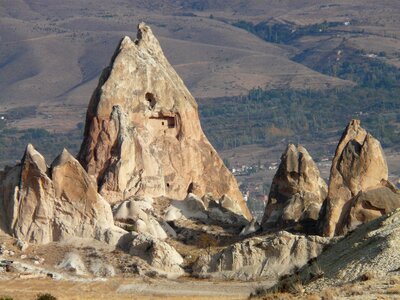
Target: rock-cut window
(151, 100)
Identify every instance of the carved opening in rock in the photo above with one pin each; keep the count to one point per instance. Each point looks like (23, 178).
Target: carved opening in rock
(166, 125)
(190, 188)
(167, 185)
(150, 100)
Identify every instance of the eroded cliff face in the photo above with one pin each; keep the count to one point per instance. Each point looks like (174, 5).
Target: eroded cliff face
(297, 193)
(143, 134)
(359, 165)
(41, 204)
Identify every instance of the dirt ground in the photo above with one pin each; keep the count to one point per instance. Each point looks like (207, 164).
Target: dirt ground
(23, 289)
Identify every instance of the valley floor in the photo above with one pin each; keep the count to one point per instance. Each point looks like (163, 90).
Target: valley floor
(118, 288)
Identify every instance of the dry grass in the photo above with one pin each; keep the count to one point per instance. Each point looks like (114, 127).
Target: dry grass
(394, 280)
(329, 294)
(64, 290)
(395, 290)
(312, 297)
(352, 290)
(278, 296)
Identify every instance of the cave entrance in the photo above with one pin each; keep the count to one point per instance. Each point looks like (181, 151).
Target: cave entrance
(151, 100)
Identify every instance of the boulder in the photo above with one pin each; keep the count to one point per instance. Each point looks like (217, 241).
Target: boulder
(73, 263)
(101, 269)
(133, 213)
(157, 254)
(192, 207)
(44, 204)
(297, 193)
(143, 134)
(209, 211)
(250, 228)
(369, 205)
(359, 165)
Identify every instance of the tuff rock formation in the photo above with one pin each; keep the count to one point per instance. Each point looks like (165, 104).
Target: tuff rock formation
(158, 254)
(40, 204)
(359, 166)
(137, 215)
(143, 135)
(297, 193)
(207, 210)
(369, 205)
(264, 256)
(372, 248)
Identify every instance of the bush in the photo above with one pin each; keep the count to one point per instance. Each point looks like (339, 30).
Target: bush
(46, 296)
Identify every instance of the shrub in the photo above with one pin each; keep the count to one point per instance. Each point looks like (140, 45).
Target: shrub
(46, 296)
(368, 276)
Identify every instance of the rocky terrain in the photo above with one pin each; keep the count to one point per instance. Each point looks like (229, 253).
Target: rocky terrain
(149, 200)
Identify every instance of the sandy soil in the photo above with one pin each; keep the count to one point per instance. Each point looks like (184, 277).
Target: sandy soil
(127, 289)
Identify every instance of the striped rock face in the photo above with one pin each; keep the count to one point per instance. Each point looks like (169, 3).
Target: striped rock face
(143, 134)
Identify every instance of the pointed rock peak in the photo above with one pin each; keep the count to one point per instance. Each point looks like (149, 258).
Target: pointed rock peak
(302, 149)
(290, 148)
(354, 124)
(33, 156)
(296, 193)
(63, 158)
(142, 104)
(359, 165)
(29, 148)
(125, 42)
(145, 35)
(354, 131)
(145, 39)
(293, 158)
(369, 138)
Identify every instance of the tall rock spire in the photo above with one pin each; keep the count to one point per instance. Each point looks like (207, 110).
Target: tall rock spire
(359, 165)
(297, 193)
(143, 134)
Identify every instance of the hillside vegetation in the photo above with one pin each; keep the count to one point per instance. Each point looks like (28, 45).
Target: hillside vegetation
(262, 73)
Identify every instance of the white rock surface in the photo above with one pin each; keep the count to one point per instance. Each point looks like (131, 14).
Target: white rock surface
(262, 256)
(157, 254)
(133, 212)
(73, 263)
(100, 268)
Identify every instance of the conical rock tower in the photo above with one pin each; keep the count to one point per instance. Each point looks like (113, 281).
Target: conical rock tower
(143, 134)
